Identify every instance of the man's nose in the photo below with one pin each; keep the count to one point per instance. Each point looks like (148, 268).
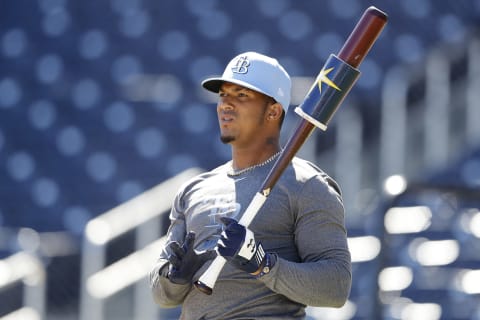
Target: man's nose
(225, 103)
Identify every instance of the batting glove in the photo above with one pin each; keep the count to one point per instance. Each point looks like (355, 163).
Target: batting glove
(184, 261)
(237, 245)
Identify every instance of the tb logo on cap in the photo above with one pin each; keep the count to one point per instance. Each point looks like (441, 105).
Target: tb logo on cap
(241, 65)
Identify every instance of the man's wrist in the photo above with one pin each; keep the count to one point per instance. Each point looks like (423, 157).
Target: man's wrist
(266, 266)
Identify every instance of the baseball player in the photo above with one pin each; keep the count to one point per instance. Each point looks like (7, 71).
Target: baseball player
(294, 253)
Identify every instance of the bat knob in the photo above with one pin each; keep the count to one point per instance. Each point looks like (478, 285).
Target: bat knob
(377, 12)
(203, 287)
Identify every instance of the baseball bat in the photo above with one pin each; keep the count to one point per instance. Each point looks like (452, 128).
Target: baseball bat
(320, 104)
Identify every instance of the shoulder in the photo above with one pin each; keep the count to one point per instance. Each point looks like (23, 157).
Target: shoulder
(316, 191)
(305, 167)
(306, 172)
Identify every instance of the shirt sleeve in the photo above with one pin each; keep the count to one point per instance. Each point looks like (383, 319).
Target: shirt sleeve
(166, 293)
(323, 276)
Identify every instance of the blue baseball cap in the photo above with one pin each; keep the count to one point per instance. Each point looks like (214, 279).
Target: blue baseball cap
(257, 72)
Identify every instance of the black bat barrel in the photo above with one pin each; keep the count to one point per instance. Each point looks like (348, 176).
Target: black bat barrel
(327, 92)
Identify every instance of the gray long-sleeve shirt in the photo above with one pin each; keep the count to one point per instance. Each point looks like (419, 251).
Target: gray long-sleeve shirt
(302, 222)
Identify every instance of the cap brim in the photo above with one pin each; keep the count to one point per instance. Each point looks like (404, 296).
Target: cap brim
(214, 84)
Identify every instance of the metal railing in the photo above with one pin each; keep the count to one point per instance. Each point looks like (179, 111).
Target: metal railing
(25, 268)
(433, 133)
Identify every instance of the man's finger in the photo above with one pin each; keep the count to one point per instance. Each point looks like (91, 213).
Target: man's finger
(175, 262)
(227, 221)
(177, 250)
(207, 255)
(189, 241)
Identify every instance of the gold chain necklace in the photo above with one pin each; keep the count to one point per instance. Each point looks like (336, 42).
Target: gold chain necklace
(234, 172)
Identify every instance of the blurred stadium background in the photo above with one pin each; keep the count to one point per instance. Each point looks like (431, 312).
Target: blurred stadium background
(102, 116)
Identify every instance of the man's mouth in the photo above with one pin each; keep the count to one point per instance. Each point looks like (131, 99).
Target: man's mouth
(227, 118)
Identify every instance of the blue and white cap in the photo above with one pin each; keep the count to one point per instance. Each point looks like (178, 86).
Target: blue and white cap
(257, 72)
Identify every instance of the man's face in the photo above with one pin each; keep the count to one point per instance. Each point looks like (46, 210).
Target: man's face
(241, 113)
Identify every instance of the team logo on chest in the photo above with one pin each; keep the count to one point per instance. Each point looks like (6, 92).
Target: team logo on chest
(241, 65)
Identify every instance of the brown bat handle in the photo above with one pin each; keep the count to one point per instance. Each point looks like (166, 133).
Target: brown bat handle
(300, 135)
(353, 52)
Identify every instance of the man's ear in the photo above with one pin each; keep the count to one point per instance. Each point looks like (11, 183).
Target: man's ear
(275, 111)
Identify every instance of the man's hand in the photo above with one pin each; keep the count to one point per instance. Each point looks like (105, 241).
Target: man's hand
(237, 245)
(184, 261)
